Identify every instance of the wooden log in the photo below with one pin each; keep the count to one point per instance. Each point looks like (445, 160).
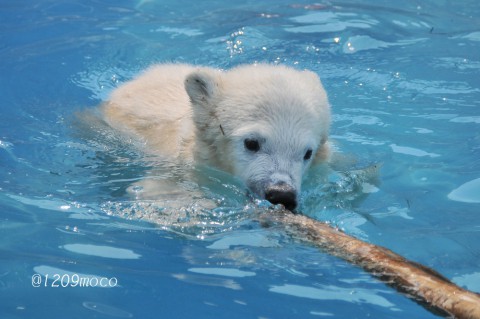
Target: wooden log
(420, 283)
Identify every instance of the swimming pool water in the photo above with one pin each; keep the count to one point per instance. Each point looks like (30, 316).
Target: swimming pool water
(403, 81)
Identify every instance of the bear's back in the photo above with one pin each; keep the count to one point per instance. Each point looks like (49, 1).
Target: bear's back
(156, 107)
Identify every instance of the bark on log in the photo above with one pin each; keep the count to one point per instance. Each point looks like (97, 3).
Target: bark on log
(417, 281)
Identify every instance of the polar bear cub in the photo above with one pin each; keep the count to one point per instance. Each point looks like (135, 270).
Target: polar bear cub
(263, 123)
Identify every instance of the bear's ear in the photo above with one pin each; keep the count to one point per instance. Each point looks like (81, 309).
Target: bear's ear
(312, 76)
(201, 86)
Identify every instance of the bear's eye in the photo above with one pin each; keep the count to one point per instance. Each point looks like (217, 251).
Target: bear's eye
(308, 155)
(251, 145)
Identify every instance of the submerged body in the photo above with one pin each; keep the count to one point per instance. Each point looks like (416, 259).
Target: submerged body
(262, 123)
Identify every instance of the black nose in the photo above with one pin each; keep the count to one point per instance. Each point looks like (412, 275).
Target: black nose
(282, 193)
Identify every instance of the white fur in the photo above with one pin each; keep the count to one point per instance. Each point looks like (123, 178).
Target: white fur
(202, 115)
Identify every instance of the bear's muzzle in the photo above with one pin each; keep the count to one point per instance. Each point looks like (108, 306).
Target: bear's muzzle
(282, 193)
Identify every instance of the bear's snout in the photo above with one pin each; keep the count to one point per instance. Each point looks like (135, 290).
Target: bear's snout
(282, 193)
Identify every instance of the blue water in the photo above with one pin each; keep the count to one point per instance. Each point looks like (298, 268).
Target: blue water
(403, 80)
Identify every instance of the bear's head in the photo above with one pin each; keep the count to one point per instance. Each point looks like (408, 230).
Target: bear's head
(263, 123)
